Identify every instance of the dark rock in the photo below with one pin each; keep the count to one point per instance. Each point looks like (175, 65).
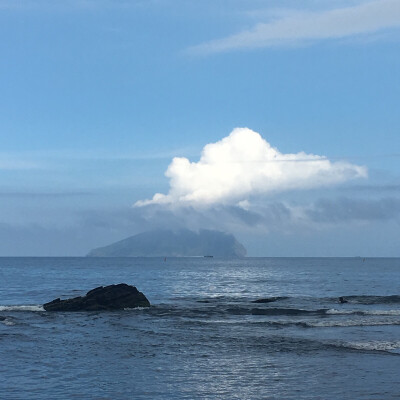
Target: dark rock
(107, 298)
(269, 299)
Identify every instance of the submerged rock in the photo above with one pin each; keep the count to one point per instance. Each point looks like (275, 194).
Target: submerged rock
(103, 298)
(269, 299)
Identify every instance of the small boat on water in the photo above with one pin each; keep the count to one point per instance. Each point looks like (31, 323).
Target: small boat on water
(208, 256)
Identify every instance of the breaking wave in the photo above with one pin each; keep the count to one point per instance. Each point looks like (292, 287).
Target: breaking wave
(287, 311)
(6, 321)
(22, 308)
(363, 312)
(374, 345)
(347, 323)
(393, 299)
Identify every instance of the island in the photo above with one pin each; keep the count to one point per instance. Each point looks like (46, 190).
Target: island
(178, 243)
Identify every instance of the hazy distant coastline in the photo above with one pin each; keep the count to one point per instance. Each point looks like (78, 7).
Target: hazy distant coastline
(168, 243)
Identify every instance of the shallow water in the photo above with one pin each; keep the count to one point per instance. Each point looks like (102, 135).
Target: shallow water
(204, 336)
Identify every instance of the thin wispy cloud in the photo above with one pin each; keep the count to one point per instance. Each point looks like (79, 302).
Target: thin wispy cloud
(303, 27)
(40, 195)
(244, 164)
(374, 188)
(11, 163)
(58, 5)
(46, 159)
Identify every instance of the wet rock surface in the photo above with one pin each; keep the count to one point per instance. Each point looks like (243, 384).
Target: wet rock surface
(269, 299)
(103, 298)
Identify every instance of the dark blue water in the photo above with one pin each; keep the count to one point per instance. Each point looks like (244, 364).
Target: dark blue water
(204, 337)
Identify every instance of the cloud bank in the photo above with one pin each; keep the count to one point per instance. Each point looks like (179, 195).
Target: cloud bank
(345, 209)
(282, 228)
(364, 18)
(242, 165)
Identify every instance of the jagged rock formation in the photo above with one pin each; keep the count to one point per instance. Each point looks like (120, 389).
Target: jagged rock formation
(107, 298)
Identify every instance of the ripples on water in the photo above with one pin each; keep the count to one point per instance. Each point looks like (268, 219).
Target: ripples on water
(218, 329)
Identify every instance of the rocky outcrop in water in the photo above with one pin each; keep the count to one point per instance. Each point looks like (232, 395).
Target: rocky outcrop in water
(269, 299)
(103, 298)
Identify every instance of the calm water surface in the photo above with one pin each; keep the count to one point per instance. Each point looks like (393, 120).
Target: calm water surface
(204, 336)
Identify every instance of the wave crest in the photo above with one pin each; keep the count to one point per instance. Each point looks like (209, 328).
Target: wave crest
(22, 308)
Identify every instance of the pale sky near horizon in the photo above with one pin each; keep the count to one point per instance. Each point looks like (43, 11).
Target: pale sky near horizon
(100, 99)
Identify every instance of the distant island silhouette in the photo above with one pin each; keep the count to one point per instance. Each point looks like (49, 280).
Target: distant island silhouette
(174, 243)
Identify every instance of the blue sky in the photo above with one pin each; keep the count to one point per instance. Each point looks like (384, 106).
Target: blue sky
(98, 97)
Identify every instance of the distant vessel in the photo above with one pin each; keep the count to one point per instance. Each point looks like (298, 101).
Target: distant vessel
(208, 256)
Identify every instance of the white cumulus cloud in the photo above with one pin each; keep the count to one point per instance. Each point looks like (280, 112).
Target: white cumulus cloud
(244, 164)
(364, 18)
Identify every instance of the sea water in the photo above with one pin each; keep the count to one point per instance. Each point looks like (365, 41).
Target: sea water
(204, 337)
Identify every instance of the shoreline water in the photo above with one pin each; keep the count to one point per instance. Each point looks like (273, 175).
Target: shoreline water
(203, 336)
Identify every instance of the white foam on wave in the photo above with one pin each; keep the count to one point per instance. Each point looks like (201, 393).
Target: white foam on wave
(356, 322)
(382, 312)
(22, 308)
(334, 311)
(340, 312)
(7, 322)
(374, 345)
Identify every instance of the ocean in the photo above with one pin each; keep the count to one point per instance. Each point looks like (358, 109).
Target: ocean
(204, 337)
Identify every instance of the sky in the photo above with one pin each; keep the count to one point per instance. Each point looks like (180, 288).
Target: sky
(277, 121)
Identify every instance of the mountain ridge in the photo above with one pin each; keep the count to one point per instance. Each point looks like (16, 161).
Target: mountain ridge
(169, 243)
